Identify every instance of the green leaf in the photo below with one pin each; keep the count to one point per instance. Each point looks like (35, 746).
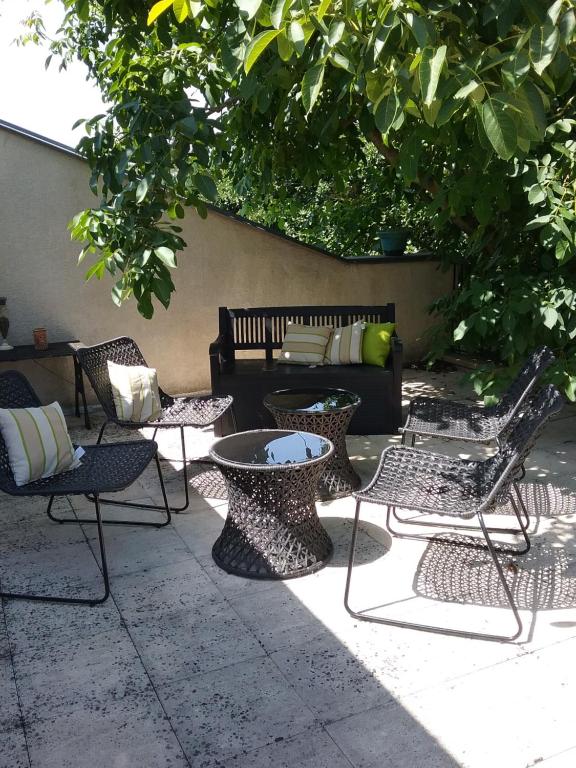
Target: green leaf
(322, 9)
(166, 256)
(466, 90)
(386, 111)
(429, 71)
(141, 190)
(157, 9)
(515, 71)
(419, 29)
(312, 86)
(248, 8)
(550, 317)
(536, 195)
(181, 10)
(296, 36)
(285, 48)
(205, 185)
(499, 128)
(543, 45)
(277, 12)
(257, 46)
(461, 330)
(335, 32)
(567, 26)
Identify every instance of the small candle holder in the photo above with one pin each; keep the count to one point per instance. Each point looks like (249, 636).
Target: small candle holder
(40, 339)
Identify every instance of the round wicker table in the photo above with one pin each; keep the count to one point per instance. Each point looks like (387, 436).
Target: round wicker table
(325, 412)
(272, 530)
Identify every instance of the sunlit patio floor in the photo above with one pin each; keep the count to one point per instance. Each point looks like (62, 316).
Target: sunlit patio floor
(186, 665)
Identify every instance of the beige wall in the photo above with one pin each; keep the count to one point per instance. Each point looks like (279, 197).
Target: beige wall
(226, 263)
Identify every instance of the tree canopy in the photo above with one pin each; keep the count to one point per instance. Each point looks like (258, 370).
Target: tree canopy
(470, 102)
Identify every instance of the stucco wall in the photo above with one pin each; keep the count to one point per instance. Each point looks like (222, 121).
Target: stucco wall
(226, 263)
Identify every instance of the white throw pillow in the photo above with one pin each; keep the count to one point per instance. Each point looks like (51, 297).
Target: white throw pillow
(135, 392)
(304, 344)
(37, 442)
(345, 345)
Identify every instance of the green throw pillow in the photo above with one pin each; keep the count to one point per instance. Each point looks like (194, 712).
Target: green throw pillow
(376, 343)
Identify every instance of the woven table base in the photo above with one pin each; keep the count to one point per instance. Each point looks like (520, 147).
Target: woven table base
(272, 530)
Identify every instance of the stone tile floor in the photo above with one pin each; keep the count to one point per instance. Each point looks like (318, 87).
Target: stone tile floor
(188, 666)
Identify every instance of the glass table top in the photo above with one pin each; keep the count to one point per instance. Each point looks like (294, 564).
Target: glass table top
(268, 447)
(311, 400)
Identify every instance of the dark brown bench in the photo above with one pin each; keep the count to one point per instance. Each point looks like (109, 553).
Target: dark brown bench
(248, 378)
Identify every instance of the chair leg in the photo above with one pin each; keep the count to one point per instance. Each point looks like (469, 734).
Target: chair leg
(523, 508)
(71, 600)
(163, 508)
(463, 527)
(362, 616)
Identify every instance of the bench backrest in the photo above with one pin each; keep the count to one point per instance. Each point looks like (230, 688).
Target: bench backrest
(263, 328)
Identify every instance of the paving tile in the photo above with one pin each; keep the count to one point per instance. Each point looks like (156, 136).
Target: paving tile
(390, 736)
(279, 619)
(13, 749)
(310, 749)
(177, 645)
(66, 570)
(19, 512)
(330, 680)
(10, 719)
(242, 707)
(141, 548)
(82, 674)
(131, 733)
(230, 584)
(201, 529)
(37, 626)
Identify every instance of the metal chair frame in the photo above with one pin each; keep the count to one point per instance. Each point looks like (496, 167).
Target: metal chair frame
(16, 392)
(125, 351)
(463, 496)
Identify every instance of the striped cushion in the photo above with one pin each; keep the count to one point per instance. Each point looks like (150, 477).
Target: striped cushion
(37, 442)
(345, 345)
(304, 344)
(135, 392)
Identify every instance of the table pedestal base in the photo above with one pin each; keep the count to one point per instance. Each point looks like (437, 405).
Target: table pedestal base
(272, 530)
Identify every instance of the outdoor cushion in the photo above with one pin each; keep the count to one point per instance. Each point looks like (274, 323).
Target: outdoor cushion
(376, 343)
(135, 392)
(345, 345)
(304, 344)
(37, 442)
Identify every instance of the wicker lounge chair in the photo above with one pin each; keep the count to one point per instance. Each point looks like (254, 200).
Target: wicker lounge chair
(177, 412)
(436, 417)
(417, 480)
(104, 469)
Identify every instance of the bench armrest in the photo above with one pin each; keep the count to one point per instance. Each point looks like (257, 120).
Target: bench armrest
(396, 365)
(221, 357)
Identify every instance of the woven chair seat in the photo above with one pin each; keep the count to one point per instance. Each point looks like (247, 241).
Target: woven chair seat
(105, 468)
(411, 478)
(458, 421)
(188, 412)
(436, 417)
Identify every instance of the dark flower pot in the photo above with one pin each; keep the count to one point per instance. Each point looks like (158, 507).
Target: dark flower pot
(393, 241)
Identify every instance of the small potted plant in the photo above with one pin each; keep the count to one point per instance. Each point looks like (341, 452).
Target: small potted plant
(394, 231)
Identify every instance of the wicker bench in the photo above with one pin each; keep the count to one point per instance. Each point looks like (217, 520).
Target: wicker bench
(249, 378)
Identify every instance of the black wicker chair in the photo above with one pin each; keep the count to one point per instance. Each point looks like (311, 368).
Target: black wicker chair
(436, 417)
(177, 412)
(104, 469)
(430, 483)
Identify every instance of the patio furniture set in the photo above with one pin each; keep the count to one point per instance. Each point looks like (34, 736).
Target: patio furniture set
(275, 475)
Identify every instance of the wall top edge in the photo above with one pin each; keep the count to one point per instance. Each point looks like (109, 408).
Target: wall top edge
(405, 258)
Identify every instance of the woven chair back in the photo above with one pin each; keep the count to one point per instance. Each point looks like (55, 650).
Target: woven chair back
(15, 392)
(94, 362)
(500, 470)
(528, 375)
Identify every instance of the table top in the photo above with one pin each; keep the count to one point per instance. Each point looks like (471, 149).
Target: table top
(312, 400)
(29, 352)
(271, 449)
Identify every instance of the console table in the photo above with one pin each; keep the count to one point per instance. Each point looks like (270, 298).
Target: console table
(57, 349)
